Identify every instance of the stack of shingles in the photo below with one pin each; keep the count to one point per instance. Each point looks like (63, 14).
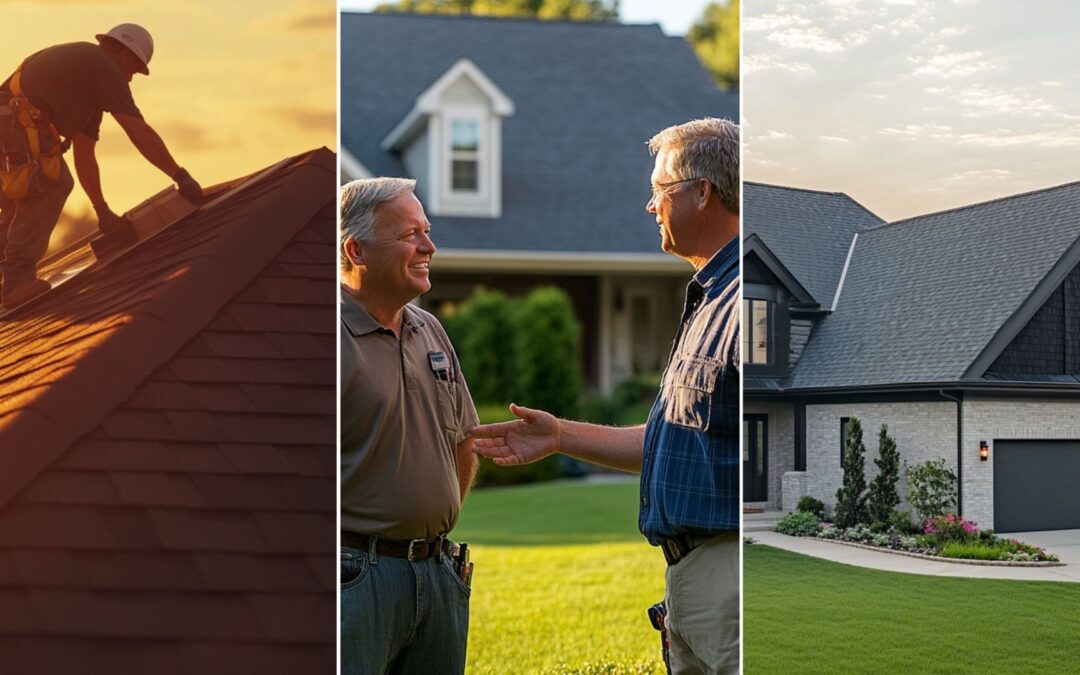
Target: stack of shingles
(167, 434)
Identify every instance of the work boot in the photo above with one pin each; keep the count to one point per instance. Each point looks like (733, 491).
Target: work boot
(23, 293)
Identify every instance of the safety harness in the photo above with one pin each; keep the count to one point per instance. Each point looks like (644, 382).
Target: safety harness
(43, 141)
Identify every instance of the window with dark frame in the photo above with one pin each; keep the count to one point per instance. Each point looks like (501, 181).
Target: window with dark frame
(843, 438)
(757, 323)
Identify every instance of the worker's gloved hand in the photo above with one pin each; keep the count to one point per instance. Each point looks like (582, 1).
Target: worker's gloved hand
(107, 220)
(188, 187)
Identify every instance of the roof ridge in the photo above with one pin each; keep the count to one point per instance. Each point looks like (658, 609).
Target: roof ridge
(819, 192)
(910, 219)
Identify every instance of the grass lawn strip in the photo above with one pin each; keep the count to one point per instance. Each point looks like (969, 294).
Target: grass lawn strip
(563, 580)
(807, 615)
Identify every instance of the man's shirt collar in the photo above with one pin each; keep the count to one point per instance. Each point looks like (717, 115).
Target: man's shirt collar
(720, 265)
(359, 322)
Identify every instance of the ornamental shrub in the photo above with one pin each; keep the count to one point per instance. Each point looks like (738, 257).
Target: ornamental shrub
(547, 350)
(851, 497)
(808, 504)
(970, 551)
(483, 332)
(883, 498)
(900, 521)
(799, 524)
(933, 488)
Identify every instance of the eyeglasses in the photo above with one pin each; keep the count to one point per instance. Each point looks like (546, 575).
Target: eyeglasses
(657, 188)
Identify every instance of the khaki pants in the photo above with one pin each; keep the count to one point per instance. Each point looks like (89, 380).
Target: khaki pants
(702, 599)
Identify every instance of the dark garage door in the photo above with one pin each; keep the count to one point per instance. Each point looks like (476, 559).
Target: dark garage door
(1036, 485)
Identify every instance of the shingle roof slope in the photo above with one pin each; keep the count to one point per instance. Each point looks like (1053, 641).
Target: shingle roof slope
(924, 296)
(167, 435)
(587, 96)
(809, 231)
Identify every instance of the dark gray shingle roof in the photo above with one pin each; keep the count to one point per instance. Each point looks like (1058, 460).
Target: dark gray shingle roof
(587, 96)
(924, 296)
(809, 231)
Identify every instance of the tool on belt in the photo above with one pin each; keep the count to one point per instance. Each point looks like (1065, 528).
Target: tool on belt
(19, 168)
(658, 619)
(416, 550)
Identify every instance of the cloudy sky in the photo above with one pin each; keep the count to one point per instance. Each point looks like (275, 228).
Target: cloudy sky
(234, 86)
(912, 106)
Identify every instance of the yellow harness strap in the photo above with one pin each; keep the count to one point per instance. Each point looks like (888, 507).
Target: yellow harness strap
(34, 120)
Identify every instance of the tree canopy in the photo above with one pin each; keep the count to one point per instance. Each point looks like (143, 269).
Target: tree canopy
(715, 37)
(572, 10)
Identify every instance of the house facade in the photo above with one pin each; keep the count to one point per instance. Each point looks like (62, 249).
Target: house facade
(958, 330)
(527, 140)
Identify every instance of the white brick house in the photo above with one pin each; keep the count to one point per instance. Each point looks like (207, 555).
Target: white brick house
(955, 329)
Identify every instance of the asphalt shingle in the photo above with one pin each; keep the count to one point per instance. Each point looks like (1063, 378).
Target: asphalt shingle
(588, 96)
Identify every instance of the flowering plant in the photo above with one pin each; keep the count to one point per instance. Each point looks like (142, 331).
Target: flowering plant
(951, 527)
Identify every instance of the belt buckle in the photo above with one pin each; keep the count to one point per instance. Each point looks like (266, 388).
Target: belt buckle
(413, 556)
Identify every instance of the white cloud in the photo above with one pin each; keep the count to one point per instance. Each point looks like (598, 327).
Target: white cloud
(951, 64)
(773, 135)
(768, 61)
(834, 139)
(812, 39)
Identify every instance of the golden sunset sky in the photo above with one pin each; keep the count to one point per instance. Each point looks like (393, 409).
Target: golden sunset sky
(233, 86)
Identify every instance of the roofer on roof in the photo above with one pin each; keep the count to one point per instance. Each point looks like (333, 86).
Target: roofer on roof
(54, 99)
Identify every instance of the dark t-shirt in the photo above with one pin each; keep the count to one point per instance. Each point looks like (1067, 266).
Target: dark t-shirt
(73, 84)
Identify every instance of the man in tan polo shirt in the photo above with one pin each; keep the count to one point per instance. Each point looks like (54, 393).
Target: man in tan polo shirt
(405, 462)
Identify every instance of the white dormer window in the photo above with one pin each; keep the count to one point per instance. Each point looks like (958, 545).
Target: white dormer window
(451, 141)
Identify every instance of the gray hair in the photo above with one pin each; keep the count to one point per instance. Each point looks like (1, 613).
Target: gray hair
(358, 202)
(706, 148)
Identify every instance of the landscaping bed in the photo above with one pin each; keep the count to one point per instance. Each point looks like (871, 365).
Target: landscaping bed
(947, 538)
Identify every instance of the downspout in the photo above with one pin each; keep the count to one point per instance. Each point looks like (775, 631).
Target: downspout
(959, 450)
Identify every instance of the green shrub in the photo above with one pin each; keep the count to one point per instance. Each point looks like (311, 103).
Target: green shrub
(933, 488)
(882, 498)
(970, 551)
(900, 521)
(483, 331)
(851, 497)
(628, 405)
(547, 346)
(799, 524)
(808, 504)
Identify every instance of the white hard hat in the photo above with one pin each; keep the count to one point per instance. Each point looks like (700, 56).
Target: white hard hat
(136, 38)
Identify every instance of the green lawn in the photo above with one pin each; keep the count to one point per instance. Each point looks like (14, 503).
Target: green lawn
(562, 581)
(808, 615)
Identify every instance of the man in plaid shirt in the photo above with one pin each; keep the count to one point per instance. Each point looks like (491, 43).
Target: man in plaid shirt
(687, 453)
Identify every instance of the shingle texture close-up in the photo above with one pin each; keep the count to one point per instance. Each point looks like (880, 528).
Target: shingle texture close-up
(167, 446)
(587, 98)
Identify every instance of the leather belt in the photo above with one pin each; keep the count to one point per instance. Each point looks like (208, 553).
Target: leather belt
(678, 547)
(414, 550)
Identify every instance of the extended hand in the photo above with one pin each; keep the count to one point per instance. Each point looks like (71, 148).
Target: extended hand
(532, 437)
(188, 187)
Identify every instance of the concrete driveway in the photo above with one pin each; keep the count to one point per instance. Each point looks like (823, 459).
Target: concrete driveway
(1064, 543)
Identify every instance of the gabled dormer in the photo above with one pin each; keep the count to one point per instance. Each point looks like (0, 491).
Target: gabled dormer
(451, 142)
(778, 313)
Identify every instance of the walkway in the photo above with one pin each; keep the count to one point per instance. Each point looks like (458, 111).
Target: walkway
(1064, 543)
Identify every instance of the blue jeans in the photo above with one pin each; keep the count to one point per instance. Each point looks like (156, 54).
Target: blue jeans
(401, 617)
(26, 225)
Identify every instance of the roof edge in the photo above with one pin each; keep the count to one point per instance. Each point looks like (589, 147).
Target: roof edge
(1023, 314)
(756, 245)
(185, 310)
